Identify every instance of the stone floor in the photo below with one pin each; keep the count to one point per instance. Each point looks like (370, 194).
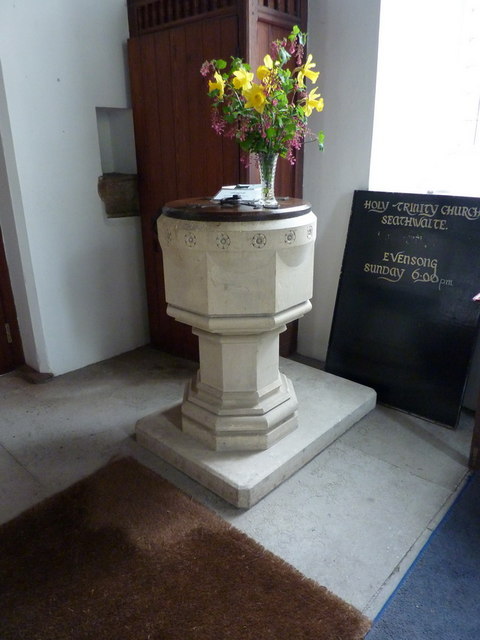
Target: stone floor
(353, 519)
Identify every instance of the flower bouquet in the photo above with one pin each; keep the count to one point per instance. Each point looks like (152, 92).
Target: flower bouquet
(267, 117)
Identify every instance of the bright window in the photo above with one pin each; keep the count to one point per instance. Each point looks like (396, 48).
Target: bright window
(426, 130)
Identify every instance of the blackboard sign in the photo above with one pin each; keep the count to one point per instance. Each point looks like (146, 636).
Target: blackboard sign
(405, 323)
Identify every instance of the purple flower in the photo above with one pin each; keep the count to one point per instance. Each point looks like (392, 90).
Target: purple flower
(218, 123)
(291, 157)
(207, 69)
(299, 54)
(245, 158)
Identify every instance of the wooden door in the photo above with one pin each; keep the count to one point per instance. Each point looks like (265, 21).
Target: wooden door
(11, 353)
(178, 154)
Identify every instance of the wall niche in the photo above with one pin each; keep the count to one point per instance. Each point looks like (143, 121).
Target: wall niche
(118, 185)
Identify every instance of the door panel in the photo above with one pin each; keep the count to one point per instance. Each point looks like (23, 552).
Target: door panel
(178, 154)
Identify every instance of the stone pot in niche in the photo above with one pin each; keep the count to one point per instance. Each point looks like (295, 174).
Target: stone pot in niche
(119, 193)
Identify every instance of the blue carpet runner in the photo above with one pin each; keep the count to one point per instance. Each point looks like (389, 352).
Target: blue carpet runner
(439, 597)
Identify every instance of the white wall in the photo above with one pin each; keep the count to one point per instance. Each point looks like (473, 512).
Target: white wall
(343, 37)
(12, 224)
(80, 284)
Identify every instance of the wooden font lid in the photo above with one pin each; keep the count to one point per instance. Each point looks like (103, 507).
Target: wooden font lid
(230, 210)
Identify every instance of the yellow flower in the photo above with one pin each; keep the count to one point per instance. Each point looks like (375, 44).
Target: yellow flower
(266, 68)
(219, 84)
(243, 79)
(313, 101)
(306, 71)
(255, 98)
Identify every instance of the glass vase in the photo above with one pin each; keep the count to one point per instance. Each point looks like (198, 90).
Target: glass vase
(267, 164)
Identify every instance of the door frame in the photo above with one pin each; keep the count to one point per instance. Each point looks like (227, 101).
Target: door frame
(11, 350)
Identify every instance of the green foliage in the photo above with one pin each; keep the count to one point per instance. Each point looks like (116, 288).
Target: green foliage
(270, 114)
(321, 140)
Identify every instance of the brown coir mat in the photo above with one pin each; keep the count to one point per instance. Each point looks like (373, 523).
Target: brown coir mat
(124, 555)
